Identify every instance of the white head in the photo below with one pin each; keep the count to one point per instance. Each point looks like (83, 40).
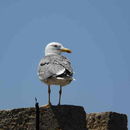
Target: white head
(55, 48)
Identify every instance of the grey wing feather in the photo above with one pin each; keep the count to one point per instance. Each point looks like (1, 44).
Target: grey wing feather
(53, 65)
(63, 61)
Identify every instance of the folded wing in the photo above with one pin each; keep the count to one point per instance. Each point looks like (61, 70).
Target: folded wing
(54, 66)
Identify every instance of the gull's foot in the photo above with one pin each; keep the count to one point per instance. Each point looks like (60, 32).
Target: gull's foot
(58, 104)
(47, 105)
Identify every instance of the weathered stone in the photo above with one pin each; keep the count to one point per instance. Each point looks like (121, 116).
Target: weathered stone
(64, 117)
(106, 121)
(16, 119)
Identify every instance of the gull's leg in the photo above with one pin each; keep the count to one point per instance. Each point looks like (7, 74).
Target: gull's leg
(60, 92)
(49, 92)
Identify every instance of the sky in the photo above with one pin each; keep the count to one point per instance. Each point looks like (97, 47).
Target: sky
(98, 33)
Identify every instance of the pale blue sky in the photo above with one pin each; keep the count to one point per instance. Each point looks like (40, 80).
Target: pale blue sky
(98, 32)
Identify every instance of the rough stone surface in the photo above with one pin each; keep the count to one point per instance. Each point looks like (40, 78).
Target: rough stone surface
(17, 119)
(65, 117)
(106, 121)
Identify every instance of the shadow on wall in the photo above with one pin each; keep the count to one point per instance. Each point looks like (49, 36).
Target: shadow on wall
(64, 117)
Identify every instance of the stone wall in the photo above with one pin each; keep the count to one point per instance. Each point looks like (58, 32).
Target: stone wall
(106, 121)
(65, 117)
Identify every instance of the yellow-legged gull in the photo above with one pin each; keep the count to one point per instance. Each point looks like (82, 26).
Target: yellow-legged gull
(55, 69)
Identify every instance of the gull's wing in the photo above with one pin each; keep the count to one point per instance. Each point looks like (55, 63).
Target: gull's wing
(54, 66)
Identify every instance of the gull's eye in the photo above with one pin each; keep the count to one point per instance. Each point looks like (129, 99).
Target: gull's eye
(55, 45)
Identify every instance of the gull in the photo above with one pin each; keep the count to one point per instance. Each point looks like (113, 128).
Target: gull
(54, 68)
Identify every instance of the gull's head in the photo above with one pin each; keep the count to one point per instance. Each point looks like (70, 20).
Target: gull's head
(55, 48)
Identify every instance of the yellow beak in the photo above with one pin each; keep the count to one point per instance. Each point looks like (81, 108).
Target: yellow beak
(65, 50)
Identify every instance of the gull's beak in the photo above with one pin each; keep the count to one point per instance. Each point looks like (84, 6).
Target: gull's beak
(65, 50)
